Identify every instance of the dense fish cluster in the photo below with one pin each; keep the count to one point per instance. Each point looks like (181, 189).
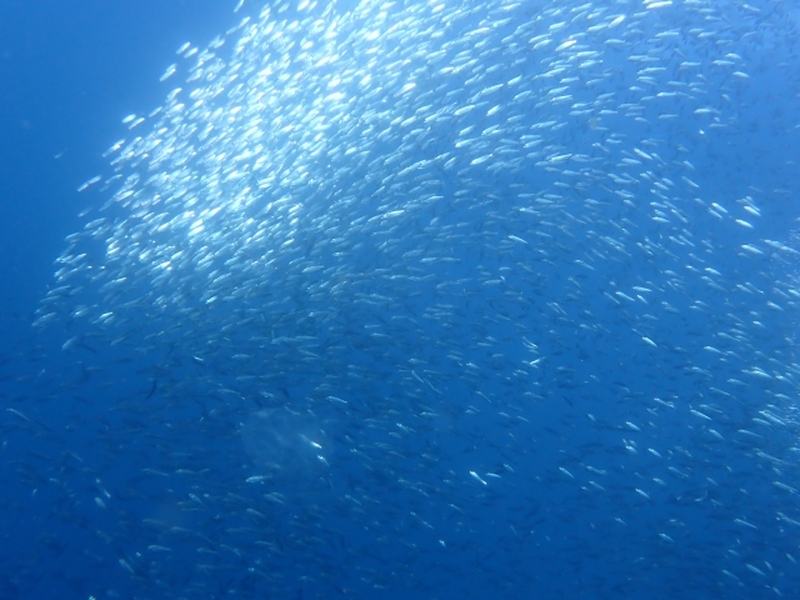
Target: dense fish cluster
(425, 299)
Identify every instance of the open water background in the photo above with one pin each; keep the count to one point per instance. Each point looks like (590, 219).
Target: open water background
(473, 364)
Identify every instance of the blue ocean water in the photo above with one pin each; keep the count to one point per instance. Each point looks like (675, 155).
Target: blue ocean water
(70, 73)
(402, 300)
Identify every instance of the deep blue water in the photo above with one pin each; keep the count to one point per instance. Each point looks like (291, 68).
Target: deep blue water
(70, 72)
(442, 300)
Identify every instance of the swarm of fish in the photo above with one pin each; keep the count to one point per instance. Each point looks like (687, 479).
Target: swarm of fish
(425, 299)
